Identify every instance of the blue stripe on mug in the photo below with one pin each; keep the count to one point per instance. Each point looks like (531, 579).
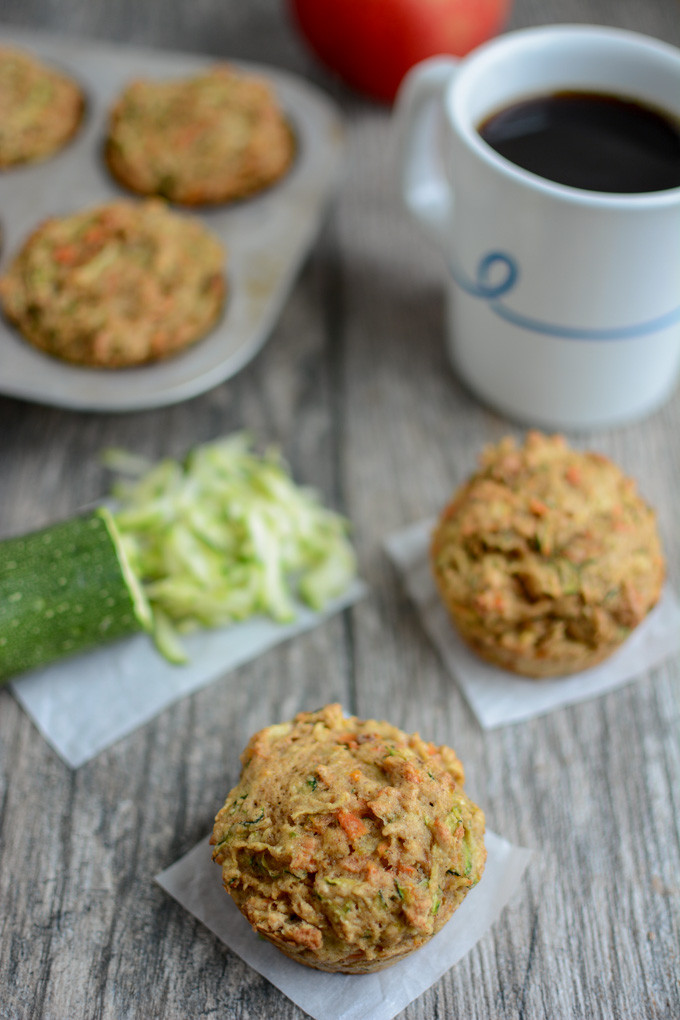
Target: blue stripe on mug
(483, 287)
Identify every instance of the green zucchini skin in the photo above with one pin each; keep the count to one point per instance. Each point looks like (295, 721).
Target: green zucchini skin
(65, 589)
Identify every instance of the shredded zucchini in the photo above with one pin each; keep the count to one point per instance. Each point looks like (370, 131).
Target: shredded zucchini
(225, 535)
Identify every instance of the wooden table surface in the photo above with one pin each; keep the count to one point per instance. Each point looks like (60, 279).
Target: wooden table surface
(354, 386)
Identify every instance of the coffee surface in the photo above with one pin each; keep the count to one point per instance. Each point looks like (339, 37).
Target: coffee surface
(589, 140)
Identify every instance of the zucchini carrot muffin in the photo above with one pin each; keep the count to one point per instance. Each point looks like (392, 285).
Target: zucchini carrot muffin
(348, 843)
(547, 558)
(40, 108)
(215, 137)
(118, 285)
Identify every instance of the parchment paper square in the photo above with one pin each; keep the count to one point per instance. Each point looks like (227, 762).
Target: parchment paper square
(84, 704)
(196, 883)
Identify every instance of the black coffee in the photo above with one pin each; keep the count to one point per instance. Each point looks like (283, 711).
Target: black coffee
(588, 140)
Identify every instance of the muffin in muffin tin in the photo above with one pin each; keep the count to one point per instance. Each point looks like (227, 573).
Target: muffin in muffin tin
(119, 285)
(40, 108)
(211, 138)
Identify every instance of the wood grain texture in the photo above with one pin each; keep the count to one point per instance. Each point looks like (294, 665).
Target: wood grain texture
(355, 387)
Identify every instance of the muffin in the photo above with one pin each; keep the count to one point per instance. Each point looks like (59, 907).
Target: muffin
(547, 558)
(212, 138)
(40, 108)
(119, 285)
(348, 843)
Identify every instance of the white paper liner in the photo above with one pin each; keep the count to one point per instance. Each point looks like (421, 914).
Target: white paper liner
(84, 704)
(196, 882)
(498, 697)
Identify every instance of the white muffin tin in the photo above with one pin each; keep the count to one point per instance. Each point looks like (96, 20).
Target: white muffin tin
(266, 236)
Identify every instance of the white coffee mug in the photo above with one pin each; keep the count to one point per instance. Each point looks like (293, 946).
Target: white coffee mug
(564, 304)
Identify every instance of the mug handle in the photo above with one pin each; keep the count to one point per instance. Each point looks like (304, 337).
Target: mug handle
(424, 188)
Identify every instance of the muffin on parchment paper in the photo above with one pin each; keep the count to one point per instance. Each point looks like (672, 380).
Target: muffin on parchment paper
(547, 557)
(40, 108)
(212, 138)
(348, 843)
(119, 285)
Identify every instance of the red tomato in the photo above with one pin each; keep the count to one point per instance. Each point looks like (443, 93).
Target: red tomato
(373, 43)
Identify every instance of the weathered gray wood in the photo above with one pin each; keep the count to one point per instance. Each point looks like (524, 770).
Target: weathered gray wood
(354, 385)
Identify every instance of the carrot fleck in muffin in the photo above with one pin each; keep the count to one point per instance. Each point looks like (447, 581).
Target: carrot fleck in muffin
(348, 843)
(215, 137)
(40, 108)
(119, 285)
(546, 558)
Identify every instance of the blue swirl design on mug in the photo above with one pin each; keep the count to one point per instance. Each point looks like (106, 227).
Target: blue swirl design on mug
(484, 288)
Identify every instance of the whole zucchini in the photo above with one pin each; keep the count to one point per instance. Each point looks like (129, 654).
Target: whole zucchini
(65, 589)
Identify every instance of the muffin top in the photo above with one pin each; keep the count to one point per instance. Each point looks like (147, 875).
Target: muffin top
(40, 108)
(348, 843)
(547, 557)
(214, 137)
(118, 285)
